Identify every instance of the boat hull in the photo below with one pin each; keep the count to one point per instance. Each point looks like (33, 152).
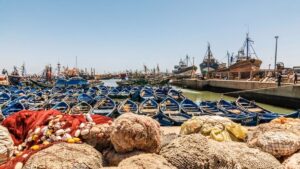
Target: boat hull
(250, 65)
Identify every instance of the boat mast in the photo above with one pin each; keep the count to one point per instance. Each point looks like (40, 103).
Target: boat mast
(247, 45)
(187, 60)
(228, 58)
(23, 71)
(58, 69)
(209, 57)
(275, 66)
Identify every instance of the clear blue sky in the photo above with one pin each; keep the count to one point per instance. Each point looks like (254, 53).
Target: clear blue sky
(114, 35)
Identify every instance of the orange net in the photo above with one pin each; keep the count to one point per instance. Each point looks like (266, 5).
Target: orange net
(22, 124)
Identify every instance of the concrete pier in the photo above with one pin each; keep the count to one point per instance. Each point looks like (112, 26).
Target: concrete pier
(287, 95)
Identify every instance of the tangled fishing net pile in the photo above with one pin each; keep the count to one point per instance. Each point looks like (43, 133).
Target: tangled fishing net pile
(64, 155)
(6, 145)
(196, 151)
(144, 161)
(280, 137)
(215, 127)
(134, 132)
(55, 141)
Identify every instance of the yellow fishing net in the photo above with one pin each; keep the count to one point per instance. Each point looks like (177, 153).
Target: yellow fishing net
(215, 127)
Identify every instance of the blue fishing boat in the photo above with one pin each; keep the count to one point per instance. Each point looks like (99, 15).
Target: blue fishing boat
(171, 108)
(149, 107)
(176, 94)
(91, 92)
(211, 108)
(4, 99)
(163, 120)
(103, 90)
(128, 106)
(160, 94)
(99, 97)
(85, 98)
(105, 106)
(35, 102)
(77, 82)
(81, 108)
(61, 82)
(62, 107)
(71, 100)
(124, 94)
(113, 93)
(190, 108)
(135, 93)
(264, 115)
(245, 118)
(146, 93)
(12, 108)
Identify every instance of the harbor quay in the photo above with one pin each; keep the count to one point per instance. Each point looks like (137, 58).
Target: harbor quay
(288, 95)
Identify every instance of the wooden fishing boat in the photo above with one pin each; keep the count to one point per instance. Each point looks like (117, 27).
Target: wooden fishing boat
(105, 106)
(244, 62)
(210, 108)
(245, 118)
(176, 94)
(250, 106)
(171, 108)
(103, 90)
(163, 120)
(113, 93)
(62, 107)
(41, 84)
(149, 107)
(71, 100)
(12, 108)
(160, 94)
(35, 102)
(190, 108)
(99, 97)
(264, 115)
(135, 93)
(91, 92)
(85, 98)
(81, 108)
(128, 106)
(146, 93)
(4, 99)
(124, 94)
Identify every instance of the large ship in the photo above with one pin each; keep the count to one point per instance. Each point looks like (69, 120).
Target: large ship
(183, 69)
(246, 60)
(209, 63)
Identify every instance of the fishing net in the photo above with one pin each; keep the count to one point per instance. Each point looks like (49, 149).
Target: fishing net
(167, 138)
(135, 132)
(292, 162)
(112, 158)
(34, 130)
(64, 155)
(99, 136)
(146, 161)
(196, 151)
(6, 145)
(214, 127)
(280, 137)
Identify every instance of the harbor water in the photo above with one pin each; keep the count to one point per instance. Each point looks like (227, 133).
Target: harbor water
(198, 96)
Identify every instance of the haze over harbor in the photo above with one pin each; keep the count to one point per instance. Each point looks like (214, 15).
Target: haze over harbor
(113, 37)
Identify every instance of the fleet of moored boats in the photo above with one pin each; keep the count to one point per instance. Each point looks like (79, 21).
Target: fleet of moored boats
(167, 105)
